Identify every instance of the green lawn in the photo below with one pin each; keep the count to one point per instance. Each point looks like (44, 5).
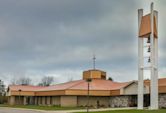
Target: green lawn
(78, 108)
(41, 107)
(131, 111)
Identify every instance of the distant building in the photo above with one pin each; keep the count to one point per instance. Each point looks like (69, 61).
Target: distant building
(103, 92)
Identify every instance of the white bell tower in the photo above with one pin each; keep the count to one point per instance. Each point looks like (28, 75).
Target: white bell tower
(148, 40)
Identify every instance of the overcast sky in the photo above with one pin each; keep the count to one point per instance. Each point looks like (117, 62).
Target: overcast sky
(59, 37)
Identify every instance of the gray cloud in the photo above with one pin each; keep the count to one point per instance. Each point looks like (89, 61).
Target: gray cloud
(58, 37)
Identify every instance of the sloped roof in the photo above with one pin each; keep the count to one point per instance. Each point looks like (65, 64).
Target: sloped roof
(24, 87)
(96, 84)
(161, 82)
(81, 85)
(99, 84)
(61, 86)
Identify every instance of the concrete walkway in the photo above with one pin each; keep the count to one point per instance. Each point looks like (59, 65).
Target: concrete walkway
(103, 109)
(17, 110)
(21, 110)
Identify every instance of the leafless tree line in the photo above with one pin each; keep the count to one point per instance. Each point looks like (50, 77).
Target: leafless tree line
(45, 81)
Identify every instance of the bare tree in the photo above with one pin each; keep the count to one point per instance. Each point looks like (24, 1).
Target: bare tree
(21, 81)
(24, 81)
(46, 81)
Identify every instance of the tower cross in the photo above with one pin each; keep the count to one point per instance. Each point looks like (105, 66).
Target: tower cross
(94, 62)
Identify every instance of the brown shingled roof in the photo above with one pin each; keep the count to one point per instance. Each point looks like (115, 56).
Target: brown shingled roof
(76, 87)
(161, 82)
(25, 87)
(96, 84)
(100, 84)
(61, 86)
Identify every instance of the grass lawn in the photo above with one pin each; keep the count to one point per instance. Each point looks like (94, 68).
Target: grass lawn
(131, 111)
(41, 107)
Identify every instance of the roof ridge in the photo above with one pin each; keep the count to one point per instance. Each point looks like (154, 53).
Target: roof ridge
(129, 83)
(64, 83)
(75, 84)
(25, 86)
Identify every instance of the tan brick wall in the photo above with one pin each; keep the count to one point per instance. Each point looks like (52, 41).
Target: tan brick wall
(56, 100)
(12, 100)
(48, 100)
(25, 100)
(36, 100)
(19, 100)
(103, 101)
(43, 100)
(68, 101)
(15, 100)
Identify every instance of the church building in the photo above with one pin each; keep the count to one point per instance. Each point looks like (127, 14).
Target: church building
(102, 92)
(96, 91)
